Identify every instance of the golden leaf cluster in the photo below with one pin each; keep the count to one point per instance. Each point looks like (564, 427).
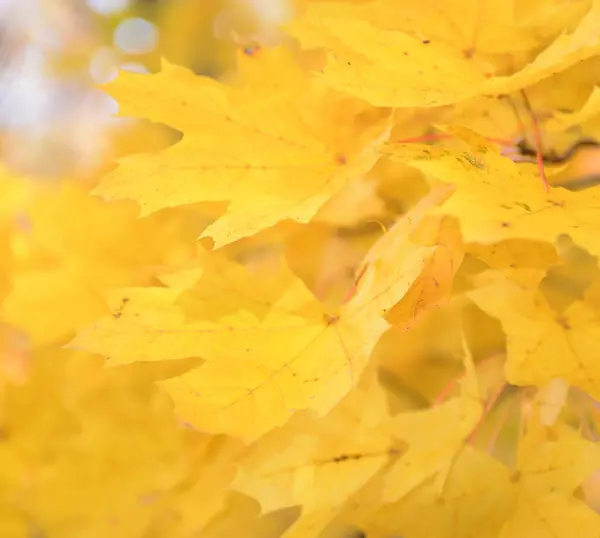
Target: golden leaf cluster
(340, 297)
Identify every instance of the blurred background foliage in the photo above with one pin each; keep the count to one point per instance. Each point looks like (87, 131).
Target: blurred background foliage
(54, 122)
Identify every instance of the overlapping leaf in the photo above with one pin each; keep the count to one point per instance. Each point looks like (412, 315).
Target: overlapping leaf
(271, 150)
(264, 338)
(496, 199)
(482, 497)
(278, 418)
(388, 67)
(542, 343)
(327, 460)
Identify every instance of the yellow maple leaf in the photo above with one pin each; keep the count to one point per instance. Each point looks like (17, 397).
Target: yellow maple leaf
(263, 338)
(495, 199)
(272, 150)
(548, 471)
(482, 497)
(392, 68)
(542, 343)
(262, 334)
(271, 357)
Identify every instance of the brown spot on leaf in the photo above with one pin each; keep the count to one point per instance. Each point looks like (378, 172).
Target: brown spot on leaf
(340, 159)
(119, 311)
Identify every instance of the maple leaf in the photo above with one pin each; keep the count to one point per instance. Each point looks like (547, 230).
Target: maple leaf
(542, 343)
(269, 336)
(482, 497)
(497, 200)
(273, 151)
(364, 58)
(548, 471)
(263, 337)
